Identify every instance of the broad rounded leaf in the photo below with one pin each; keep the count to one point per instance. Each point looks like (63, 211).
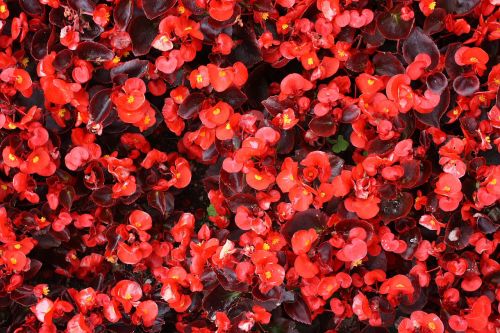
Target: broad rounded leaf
(417, 43)
(392, 26)
(92, 51)
(155, 8)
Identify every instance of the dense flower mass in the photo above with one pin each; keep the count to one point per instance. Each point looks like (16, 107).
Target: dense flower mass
(219, 166)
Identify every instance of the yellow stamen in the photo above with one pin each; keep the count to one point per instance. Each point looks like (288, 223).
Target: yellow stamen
(286, 120)
(130, 99)
(310, 61)
(61, 113)
(36, 159)
(181, 9)
(258, 177)
(432, 5)
(199, 78)
(266, 247)
(19, 79)
(12, 157)
(268, 275)
(371, 82)
(17, 246)
(493, 181)
(284, 26)
(447, 189)
(116, 59)
(216, 111)
(265, 16)
(432, 326)
(474, 60)
(222, 73)
(4, 187)
(13, 261)
(45, 290)
(3, 9)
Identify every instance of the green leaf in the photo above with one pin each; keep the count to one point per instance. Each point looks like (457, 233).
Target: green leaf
(340, 145)
(211, 210)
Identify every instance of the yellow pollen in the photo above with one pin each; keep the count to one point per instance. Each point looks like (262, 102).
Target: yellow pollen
(199, 78)
(447, 189)
(266, 247)
(258, 177)
(356, 263)
(228, 126)
(36, 159)
(305, 192)
(116, 60)
(308, 242)
(138, 225)
(164, 39)
(127, 296)
(291, 178)
(17, 246)
(371, 82)
(216, 111)
(12, 126)
(111, 259)
(43, 219)
(455, 112)
(275, 241)
(130, 99)
(4, 187)
(399, 285)
(265, 16)
(432, 5)
(45, 291)
(310, 61)
(12, 157)
(19, 79)
(188, 28)
(13, 261)
(181, 9)
(286, 120)
(488, 139)
(322, 194)
(329, 288)
(474, 60)
(284, 26)
(496, 80)
(482, 98)
(25, 62)
(341, 53)
(147, 120)
(61, 113)
(268, 275)
(432, 326)
(73, 256)
(175, 277)
(493, 181)
(3, 9)
(222, 73)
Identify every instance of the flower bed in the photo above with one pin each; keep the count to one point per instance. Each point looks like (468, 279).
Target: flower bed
(235, 166)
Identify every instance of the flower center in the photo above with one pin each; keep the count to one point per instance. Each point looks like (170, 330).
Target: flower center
(3, 9)
(13, 261)
(127, 296)
(284, 26)
(432, 326)
(12, 157)
(493, 181)
(310, 61)
(474, 60)
(371, 82)
(199, 78)
(36, 159)
(447, 189)
(258, 177)
(216, 111)
(19, 79)
(266, 247)
(130, 99)
(268, 275)
(432, 5)
(17, 246)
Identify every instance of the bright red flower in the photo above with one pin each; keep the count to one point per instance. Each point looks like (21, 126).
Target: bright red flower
(271, 275)
(420, 321)
(146, 312)
(448, 188)
(303, 240)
